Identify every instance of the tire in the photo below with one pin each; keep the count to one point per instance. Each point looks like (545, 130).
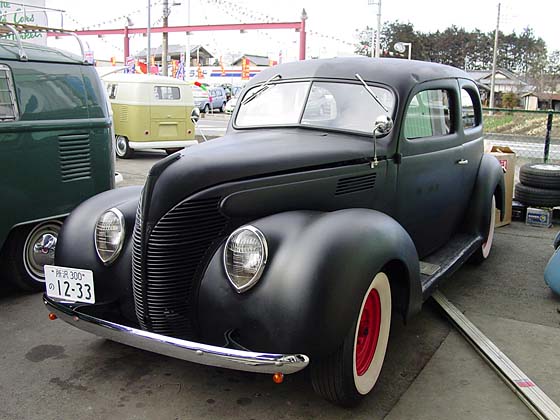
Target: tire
(23, 259)
(532, 196)
(540, 175)
(223, 108)
(206, 109)
(350, 373)
(483, 252)
(171, 151)
(122, 148)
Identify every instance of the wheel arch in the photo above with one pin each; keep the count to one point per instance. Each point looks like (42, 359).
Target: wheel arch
(489, 182)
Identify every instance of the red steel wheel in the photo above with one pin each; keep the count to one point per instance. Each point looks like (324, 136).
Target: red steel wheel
(368, 332)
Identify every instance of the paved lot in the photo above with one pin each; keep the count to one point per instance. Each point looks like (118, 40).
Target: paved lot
(51, 371)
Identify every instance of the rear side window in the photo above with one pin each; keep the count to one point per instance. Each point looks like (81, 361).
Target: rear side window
(428, 115)
(167, 93)
(8, 104)
(467, 109)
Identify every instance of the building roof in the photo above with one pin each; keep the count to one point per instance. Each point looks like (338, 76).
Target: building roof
(257, 60)
(177, 49)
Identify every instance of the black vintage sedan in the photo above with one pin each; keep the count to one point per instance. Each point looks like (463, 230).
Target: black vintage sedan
(342, 193)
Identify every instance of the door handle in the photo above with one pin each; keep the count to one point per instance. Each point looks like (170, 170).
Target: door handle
(463, 162)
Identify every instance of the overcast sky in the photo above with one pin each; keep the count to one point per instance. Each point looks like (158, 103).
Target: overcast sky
(333, 25)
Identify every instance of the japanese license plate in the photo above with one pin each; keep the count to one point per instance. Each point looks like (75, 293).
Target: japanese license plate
(71, 284)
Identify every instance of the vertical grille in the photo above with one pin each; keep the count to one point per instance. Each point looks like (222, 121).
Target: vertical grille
(74, 156)
(176, 251)
(355, 183)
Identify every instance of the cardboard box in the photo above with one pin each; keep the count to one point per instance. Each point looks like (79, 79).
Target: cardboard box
(540, 217)
(506, 157)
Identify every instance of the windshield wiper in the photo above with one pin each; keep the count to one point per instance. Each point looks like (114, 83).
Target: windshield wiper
(373, 95)
(264, 87)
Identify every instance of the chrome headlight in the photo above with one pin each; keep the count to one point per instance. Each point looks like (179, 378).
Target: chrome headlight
(245, 256)
(109, 235)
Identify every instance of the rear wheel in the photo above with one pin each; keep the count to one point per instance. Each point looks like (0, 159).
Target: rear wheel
(223, 107)
(206, 109)
(351, 372)
(28, 250)
(483, 252)
(122, 148)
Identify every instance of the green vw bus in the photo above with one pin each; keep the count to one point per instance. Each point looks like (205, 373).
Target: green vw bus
(55, 151)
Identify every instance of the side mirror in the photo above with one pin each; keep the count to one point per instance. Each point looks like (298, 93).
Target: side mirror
(383, 124)
(195, 115)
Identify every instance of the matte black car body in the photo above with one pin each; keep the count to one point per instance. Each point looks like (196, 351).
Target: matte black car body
(331, 219)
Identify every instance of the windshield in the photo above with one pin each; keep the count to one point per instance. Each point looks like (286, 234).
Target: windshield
(341, 106)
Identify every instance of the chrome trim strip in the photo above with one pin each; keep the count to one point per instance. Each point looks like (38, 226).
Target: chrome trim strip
(169, 144)
(180, 349)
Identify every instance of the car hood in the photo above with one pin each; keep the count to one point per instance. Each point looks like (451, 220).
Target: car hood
(250, 154)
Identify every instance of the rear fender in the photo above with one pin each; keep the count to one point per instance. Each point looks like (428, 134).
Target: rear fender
(320, 265)
(489, 182)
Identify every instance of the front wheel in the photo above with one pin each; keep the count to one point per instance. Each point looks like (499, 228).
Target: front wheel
(350, 373)
(28, 250)
(122, 148)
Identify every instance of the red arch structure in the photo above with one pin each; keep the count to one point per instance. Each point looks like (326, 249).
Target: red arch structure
(126, 31)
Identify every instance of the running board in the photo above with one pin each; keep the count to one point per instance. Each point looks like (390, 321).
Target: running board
(444, 262)
(527, 391)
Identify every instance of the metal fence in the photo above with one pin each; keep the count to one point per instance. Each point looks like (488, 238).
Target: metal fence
(534, 136)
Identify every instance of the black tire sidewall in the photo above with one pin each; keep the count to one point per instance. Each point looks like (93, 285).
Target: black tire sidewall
(533, 175)
(13, 266)
(533, 196)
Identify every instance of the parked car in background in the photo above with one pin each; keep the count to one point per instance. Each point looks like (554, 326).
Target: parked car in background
(55, 152)
(150, 112)
(343, 192)
(230, 105)
(552, 270)
(210, 99)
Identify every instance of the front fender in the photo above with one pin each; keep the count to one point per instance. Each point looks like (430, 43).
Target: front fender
(489, 182)
(75, 247)
(320, 265)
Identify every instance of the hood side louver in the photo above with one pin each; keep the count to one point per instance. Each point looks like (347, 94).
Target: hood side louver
(74, 155)
(355, 183)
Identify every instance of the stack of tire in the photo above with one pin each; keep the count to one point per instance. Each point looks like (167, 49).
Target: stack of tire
(539, 185)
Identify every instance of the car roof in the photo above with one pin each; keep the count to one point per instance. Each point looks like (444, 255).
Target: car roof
(391, 71)
(141, 78)
(9, 50)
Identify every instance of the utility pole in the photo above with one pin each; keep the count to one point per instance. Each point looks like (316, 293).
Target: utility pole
(378, 38)
(149, 53)
(494, 58)
(375, 52)
(188, 49)
(165, 43)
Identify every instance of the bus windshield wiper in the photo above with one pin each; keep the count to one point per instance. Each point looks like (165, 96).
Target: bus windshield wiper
(373, 95)
(260, 90)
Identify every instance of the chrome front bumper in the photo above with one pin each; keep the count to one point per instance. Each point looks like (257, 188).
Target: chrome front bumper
(180, 349)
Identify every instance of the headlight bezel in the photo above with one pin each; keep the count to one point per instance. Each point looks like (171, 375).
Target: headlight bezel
(120, 218)
(258, 274)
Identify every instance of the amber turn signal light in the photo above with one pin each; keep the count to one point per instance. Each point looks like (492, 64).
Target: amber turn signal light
(52, 316)
(278, 377)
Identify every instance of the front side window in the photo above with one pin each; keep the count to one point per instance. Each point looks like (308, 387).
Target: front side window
(339, 106)
(167, 93)
(8, 104)
(428, 115)
(112, 90)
